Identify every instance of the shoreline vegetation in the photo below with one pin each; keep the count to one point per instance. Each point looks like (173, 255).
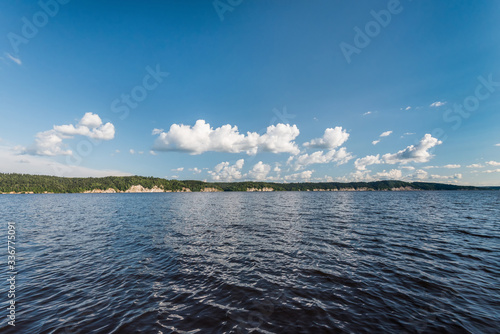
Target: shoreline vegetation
(43, 184)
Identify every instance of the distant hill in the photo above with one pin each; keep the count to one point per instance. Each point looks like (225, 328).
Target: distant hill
(491, 188)
(24, 183)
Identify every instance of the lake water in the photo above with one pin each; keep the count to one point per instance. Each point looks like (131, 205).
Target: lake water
(284, 262)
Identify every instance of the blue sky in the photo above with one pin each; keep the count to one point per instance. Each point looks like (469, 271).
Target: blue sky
(240, 90)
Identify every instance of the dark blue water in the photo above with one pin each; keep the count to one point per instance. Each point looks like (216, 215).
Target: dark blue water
(288, 262)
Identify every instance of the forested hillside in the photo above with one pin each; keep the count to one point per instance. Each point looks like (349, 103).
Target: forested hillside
(23, 183)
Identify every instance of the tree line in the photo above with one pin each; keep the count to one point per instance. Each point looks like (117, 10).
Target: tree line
(23, 183)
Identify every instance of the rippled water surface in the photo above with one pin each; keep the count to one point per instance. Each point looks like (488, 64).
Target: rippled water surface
(285, 262)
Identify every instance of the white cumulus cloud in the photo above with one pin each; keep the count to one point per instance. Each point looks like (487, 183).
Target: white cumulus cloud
(437, 104)
(332, 138)
(195, 170)
(419, 174)
(302, 176)
(11, 162)
(50, 142)
(407, 134)
(393, 174)
(226, 172)
(202, 138)
(447, 177)
(414, 153)
(452, 166)
(90, 126)
(259, 171)
(383, 134)
(492, 171)
(362, 163)
(493, 163)
(340, 156)
(358, 176)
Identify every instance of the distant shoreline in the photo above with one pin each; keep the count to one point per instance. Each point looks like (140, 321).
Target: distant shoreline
(240, 191)
(43, 184)
(148, 191)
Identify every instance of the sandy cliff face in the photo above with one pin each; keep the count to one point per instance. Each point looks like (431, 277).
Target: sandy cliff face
(407, 188)
(263, 189)
(156, 189)
(325, 189)
(132, 189)
(141, 189)
(183, 190)
(99, 191)
(209, 190)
